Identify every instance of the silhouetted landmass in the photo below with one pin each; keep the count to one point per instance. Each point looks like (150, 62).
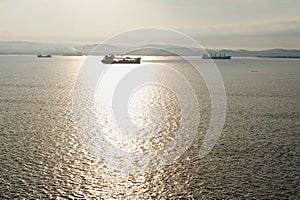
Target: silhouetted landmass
(271, 53)
(278, 56)
(34, 48)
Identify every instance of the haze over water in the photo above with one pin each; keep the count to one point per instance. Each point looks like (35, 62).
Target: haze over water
(257, 155)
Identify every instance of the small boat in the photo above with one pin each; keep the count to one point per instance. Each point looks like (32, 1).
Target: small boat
(44, 56)
(216, 56)
(112, 59)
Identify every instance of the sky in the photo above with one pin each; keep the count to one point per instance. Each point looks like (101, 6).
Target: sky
(234, 24)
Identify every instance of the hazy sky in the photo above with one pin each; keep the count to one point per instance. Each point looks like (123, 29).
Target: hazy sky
(246, 24)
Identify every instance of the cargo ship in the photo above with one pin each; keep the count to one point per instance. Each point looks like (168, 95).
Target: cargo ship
(112, 59)
(216, 56)
(44, 56)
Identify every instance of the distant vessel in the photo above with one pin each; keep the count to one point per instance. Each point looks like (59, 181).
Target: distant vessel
(216, 56)
(112, 59)
(44, 56)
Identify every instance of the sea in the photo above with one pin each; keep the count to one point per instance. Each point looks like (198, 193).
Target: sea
(51, 147)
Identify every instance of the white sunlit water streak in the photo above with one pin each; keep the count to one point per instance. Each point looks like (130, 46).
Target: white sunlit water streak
(256, 156)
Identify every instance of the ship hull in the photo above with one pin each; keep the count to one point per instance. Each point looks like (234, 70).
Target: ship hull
(217, 57)
(221, 57)
(44, 56)
(126, 62)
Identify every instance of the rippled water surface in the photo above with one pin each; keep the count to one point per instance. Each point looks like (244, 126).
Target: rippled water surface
(257, 155)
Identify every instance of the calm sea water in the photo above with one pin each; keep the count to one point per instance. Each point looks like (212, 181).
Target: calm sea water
(257, 155)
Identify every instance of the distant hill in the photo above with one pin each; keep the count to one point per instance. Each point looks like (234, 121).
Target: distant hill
(263, 53)
(34, 48)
